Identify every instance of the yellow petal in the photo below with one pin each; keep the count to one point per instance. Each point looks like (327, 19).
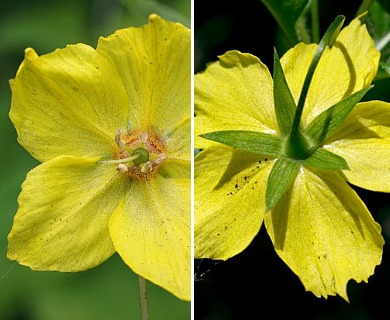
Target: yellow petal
(364, 142)
(347, 67)
(64, 210)
(234, 93)
(178, 142)
(229, 201)
(177, 163)
(151, 232)
(325, 234)
(154, 62)
(69, 102)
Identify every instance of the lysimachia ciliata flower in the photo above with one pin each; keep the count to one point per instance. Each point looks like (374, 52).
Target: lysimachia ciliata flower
(111, 127)
(319, 227)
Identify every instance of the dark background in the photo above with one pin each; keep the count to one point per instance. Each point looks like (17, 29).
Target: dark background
(256, 284)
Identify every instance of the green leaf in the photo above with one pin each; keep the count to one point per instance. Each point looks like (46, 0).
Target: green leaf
(284, 101)
(379, 28)
(286, 14)
(251, 141)
(280, 178)
(326, 160)
(326, 124)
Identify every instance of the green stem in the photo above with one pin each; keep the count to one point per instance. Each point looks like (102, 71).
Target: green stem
(143, 299)
(315, 21)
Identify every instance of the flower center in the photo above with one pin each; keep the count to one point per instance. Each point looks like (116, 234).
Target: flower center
(139, 155)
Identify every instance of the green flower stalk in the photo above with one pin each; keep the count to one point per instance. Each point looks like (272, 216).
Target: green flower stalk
(284, 150)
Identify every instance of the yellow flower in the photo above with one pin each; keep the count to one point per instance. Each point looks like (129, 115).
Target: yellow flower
(320, 227)
(111, 127)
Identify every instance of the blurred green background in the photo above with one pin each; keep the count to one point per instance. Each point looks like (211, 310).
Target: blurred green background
(256, 284)
(109, 291)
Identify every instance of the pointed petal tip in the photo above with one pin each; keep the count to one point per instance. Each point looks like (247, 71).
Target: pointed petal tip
(153, 17)
(30, 54)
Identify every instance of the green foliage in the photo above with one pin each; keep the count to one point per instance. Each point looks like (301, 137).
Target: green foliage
(379, 27)
(288, 13)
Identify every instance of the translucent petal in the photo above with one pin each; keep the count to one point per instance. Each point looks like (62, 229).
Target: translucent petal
(151, 231)
(177, 163)
(69, 102)
(347, 67)
(325, 234)
(364, 142)
(154, 63)
(234, 93)
(229, 201)
(64, 210)
(178, 142)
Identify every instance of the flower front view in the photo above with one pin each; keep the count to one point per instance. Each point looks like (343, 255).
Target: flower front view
(318, 225)
(111, 128)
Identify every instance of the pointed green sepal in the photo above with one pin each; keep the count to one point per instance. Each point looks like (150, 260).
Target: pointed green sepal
(327, 123)
(326, 160)
(330, 36)
(284, 101)
(280, 178)
(327, 40)
(251, 141)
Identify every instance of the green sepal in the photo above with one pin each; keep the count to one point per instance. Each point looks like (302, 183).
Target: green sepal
(327, 40)
(280, 178)
(326, 160)
(284, 101)
(252, 141)
(327, 123)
